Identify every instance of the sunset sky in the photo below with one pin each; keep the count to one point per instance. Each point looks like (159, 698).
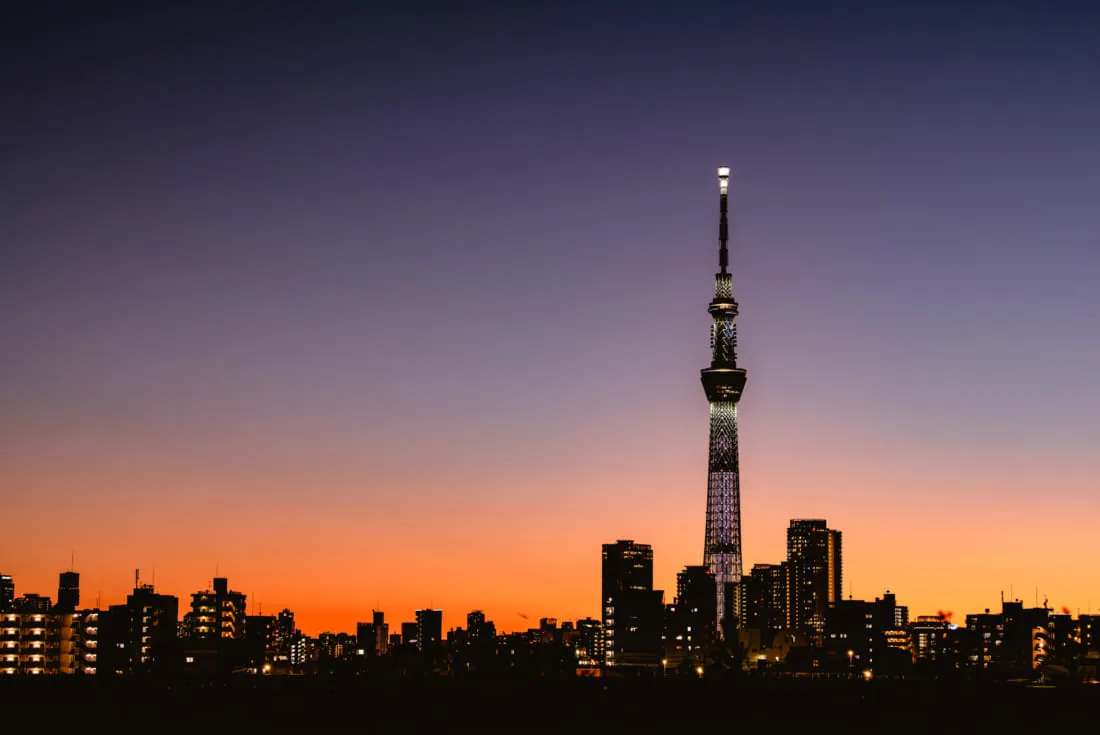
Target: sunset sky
(371, 309)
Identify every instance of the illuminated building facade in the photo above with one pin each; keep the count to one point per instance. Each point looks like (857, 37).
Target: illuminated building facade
(763, 598)
(588, 643)
(816, 575)
(1089, 632)
(928, 634)
(723, 383)
(154, 630)
(217, 614)
(86, 642)
(1010, 643)
(29, 637)
(861, 635)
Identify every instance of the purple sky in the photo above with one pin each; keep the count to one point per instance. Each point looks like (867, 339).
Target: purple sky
(472, 246)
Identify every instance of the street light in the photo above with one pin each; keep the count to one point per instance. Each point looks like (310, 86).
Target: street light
(664, 666)
(850, 654)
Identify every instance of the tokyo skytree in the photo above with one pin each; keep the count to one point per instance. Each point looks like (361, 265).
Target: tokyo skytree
(723, 382)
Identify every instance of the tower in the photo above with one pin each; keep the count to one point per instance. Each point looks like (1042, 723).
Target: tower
(723, 382)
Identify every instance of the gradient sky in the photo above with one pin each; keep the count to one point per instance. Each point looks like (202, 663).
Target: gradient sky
(406, 308)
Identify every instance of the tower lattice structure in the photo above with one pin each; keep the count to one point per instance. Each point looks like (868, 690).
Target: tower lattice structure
(723, 382)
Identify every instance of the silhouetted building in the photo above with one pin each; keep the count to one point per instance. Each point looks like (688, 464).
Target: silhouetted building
(1089, 631)
(373, 638)
(7, 592)
(862, 635)
(429, 629)
(381, 632)
(1009, 644)
(140, 637)
(814, 555)
(633, 612)
(409, 635)
(691, 621)
(154, 642)
(32, 603)
(284, 635)
(479, 629)
(259, 643)
(68, 591)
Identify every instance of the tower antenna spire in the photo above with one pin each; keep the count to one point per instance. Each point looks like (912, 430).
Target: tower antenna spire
(723, 222)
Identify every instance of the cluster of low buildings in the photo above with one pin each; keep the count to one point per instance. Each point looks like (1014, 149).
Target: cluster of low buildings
(216, 636)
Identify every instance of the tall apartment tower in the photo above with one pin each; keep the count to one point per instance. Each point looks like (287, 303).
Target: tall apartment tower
(632, 610)
(429, 629)
(816, 574)
(723, 382)
(68, 591)
(7, 592)
(217, 614)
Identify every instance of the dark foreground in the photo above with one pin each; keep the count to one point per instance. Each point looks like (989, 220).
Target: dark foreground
(314, 704)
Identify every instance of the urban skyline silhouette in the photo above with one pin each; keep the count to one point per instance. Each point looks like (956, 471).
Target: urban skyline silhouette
(286, 296)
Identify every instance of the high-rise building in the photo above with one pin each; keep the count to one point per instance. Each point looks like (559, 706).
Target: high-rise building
(140, 637)
(763, 598)
(7, 592)
(588, 643)
(154, 629)
(259, 643)
(68, 591)
(68, 622)
(1009, 643)
(85, 642)
(381, 632)
(218, 614)
(429, 629)
(723, 382)
(691, 627)
(481, 632)
(633, 611)
(816, 575)
(372, 638)
(626, 566)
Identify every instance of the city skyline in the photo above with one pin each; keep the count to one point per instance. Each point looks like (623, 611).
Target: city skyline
(401, 311)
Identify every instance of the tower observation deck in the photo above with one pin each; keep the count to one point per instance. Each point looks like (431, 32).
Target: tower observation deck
(723, 382)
